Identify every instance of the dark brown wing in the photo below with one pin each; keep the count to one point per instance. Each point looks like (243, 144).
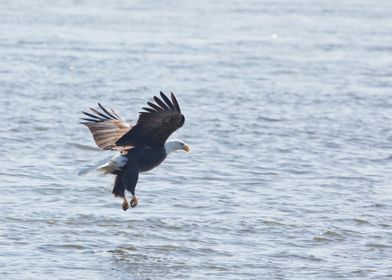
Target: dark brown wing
(105, 126)
(155, 124)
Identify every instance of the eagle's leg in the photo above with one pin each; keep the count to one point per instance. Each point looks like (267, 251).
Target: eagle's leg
(119, 190)
(130, 177)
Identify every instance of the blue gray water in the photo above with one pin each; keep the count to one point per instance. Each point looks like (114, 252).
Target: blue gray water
(288, 110)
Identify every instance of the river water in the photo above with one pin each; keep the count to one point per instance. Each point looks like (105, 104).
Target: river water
(288, 109)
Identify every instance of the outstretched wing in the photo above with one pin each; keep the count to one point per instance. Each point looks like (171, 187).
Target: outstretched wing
(105, 126)
(155, 124)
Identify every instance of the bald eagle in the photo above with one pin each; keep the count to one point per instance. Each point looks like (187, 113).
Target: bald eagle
(141, 147)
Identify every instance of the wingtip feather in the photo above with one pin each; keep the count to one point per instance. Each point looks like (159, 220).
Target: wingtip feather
(167, 101)
(175, 103)
(161, 103)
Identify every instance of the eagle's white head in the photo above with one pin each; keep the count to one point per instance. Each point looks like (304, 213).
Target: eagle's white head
(175, 145)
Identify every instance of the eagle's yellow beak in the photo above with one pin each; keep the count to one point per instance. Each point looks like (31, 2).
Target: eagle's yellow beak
(186, 148)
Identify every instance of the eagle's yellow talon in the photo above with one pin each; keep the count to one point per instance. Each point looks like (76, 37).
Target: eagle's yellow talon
(134, 201)
(125, 204)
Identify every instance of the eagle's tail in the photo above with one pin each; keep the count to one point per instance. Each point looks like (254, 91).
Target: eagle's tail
(89, 168)
(106, 166)
(113, 165)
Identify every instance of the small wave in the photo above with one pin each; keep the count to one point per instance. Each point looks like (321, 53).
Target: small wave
(54, 248)
(267, 119)
(329, 235)
(378, 245)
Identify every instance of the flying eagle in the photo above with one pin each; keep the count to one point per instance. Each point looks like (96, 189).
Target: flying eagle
(142, 146)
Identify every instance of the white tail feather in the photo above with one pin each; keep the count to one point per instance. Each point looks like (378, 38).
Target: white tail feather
(86, 170)
(113, 164)
(107, 165)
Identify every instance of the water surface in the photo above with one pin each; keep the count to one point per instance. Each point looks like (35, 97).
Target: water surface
(288, 113)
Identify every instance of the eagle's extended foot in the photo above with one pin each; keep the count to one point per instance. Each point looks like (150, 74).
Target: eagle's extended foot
(134, 201)
(125, 204)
